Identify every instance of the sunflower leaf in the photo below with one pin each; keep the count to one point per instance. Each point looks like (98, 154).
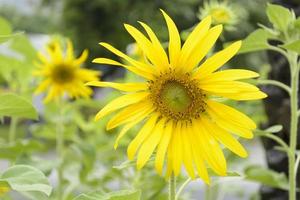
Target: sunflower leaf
(280, 16)
(293, 46)
(117, 195)
(15, 106)
(266, 177)
(27, 180)
(256, 41)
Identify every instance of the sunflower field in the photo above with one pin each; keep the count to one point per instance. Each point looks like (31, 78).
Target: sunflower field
(149, 100)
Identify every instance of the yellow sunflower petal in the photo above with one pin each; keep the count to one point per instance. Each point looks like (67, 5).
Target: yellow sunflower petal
(82, 58)
(146, 46)
(228, 87)
(130, 113)
(126, 87)
(217, 60)
(145, 72)
(121, 102)
(177, 148)
(162, 147)
(127, 127)
(43, 86)
(188, 153)
(174, 40)
(70, 51)
(226, 112)
(141, 136)
(198, 153)
(193, 40)
(229, 75)
(211, 150)
(243, 96)
(159, 50)
(150, 144)
(225, 138)
(203, 47)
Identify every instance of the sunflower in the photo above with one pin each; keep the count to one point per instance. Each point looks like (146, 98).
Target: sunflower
(176, 105)
(62, 74)
(221, 13)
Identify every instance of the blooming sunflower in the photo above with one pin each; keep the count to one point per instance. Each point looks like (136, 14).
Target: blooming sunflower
(180, 118)
(62, 74)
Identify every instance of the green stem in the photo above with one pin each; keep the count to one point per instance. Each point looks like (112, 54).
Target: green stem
(294, 124)
(212, 192)
(60, 151)
(182, 187)
(172, 187)
(12, 130)
(275, 83)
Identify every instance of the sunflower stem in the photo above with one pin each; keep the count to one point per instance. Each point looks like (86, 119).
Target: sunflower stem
(60, 150)
(292, 58)
(172, 187)
(182, 188)
(12, 130)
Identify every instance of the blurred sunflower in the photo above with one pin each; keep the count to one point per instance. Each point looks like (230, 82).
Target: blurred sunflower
(181, 120)
(221, 13)
(62, 73)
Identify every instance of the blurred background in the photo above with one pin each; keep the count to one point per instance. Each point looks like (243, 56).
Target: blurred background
(88, 22)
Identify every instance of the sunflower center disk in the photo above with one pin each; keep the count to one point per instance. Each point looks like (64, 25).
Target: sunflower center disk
(177, 97)
(62, 74)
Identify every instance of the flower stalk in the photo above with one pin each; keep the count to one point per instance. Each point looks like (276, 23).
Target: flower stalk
(292, 58)
(60, 150)
(172, 187)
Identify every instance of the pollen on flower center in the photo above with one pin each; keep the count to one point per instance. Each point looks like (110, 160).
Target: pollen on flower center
(177, 96)
(62, 74)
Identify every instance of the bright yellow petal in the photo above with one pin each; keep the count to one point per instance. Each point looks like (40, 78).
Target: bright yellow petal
(143, 72)
(130, 113)
(126, 87)
(229, 75)
(229, 87)
(188, 153)
(226, 112)
(150, 144)
(43, 86)
(128, 126)
(244, 96)
(212, 151)
(225, 138)
(218, 60)
(82, 58)
(146, 46)
(174, 40)
(177, 148)
(202, 48)
(198, 153)
(162, 147)
(141, 136)
(159, 50)
(121, 102)
(193, 40)
(70, 51)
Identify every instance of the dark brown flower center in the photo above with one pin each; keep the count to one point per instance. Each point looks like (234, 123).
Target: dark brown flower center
(62, 74)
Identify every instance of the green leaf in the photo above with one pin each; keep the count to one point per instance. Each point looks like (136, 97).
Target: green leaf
(5, 30)
(280, 16)
(274, 129)
(27, 180)
(293, 46)
(117, 195)
(4, 188)
(15, 106)
(266, 177)
(256, 41)
(22, 45)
